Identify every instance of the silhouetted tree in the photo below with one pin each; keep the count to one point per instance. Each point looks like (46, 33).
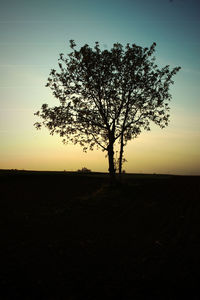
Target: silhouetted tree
(107, 96)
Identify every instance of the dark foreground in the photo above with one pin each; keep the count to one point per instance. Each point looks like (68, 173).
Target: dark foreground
(68, 236)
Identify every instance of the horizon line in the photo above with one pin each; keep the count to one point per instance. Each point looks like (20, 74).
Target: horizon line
(99, 172)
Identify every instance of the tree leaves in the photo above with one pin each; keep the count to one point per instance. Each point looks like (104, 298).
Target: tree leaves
(107, 94)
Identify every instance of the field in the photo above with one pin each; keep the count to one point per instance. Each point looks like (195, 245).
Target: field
(71, 236)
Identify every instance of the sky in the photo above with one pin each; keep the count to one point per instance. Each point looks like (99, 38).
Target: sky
(33, 33)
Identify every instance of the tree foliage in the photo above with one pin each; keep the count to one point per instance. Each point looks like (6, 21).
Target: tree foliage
(105, 96)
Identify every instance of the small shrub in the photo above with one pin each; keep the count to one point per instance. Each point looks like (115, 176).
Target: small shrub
(84, 170)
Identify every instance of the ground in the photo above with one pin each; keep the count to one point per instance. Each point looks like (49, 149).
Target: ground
(71, 236)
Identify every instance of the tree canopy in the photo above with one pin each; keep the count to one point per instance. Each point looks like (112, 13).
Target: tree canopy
(107, 96)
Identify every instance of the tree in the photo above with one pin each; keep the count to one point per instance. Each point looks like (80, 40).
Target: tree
(107, 96)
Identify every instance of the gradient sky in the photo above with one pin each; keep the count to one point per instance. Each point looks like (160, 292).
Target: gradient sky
(33, 33)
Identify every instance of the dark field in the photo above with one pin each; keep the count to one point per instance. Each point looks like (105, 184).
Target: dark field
(70, 236)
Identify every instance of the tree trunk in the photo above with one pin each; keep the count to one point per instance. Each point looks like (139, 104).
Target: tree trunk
(121, 155)
(111, 163)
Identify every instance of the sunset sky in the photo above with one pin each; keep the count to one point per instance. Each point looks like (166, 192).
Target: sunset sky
(33, 33)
